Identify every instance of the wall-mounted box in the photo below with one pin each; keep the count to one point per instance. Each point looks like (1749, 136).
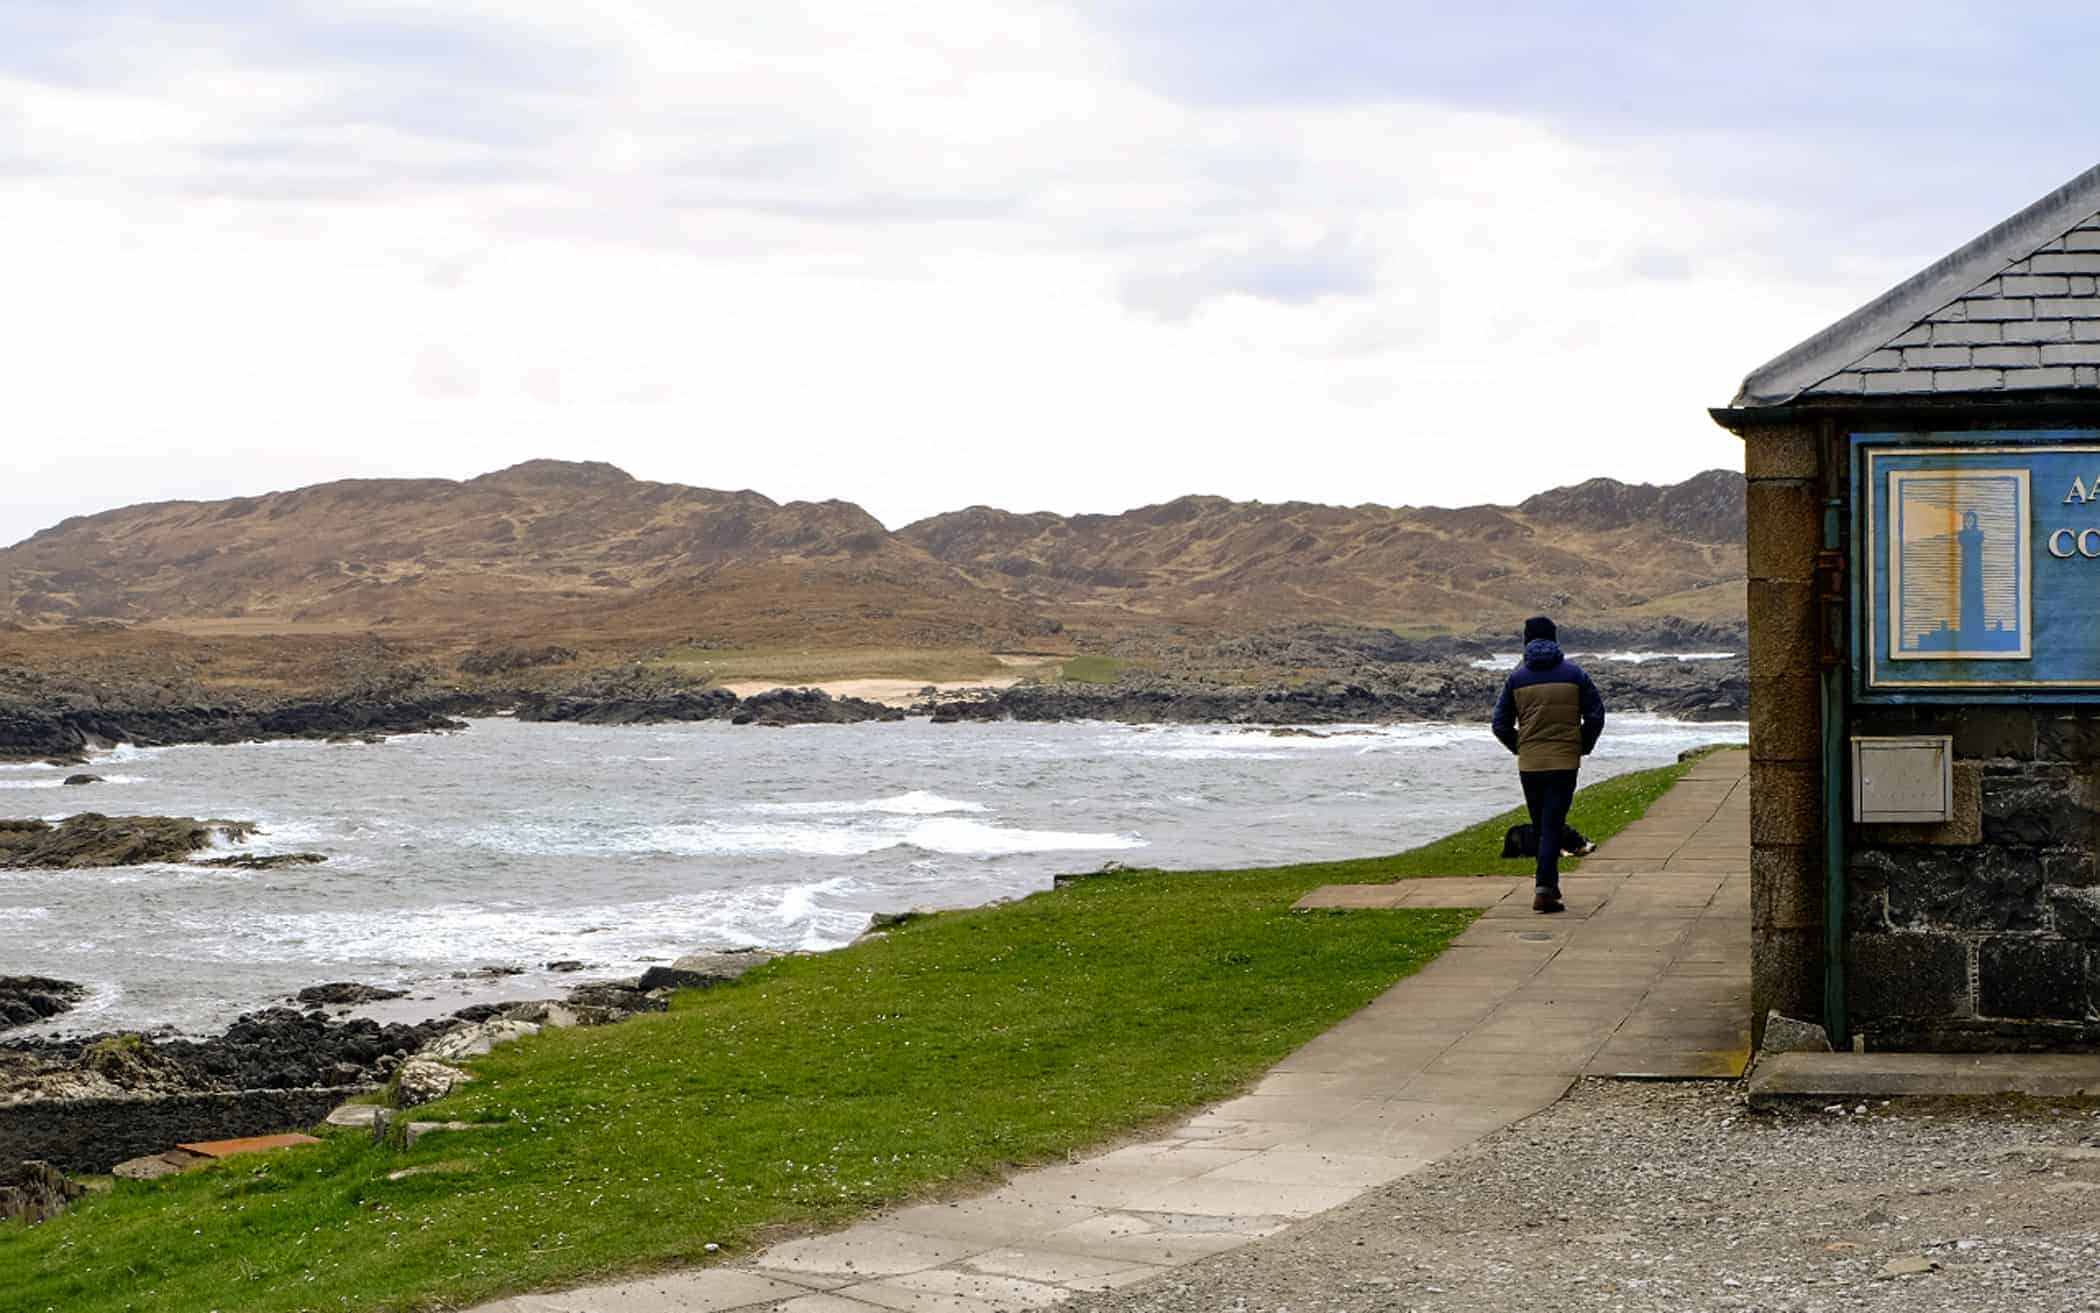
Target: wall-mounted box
(1903, 781)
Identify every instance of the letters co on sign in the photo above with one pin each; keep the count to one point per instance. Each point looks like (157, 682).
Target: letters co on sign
(1978, 569)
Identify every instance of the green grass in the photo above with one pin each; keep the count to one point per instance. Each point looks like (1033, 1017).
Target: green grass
(1092, 670)
(942, 1056)
(1601, 810)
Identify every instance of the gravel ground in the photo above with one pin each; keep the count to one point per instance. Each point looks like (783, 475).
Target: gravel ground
(1678, 1197)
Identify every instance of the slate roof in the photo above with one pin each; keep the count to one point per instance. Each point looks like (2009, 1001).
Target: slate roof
(2015, 311)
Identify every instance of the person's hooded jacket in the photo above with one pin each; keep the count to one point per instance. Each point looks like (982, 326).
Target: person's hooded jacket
(1550, 714)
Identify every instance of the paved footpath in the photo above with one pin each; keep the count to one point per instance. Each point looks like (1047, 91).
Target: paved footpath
(1646, 974)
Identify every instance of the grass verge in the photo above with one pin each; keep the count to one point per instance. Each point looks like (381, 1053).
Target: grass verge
(941, 1056)
(1091, 670)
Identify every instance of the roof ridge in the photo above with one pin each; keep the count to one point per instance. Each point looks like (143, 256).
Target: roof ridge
(1877, 324)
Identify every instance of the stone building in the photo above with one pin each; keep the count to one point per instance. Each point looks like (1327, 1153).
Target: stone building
(1924, 548)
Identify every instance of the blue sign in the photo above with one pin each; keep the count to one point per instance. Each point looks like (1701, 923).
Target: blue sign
(1980, 563)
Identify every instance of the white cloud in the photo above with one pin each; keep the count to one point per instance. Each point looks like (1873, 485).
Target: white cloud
(914, 256)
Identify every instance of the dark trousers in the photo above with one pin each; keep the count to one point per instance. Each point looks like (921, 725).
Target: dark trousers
(1547, 795)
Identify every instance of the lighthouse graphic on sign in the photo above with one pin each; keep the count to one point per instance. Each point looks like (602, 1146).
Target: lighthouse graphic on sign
(1958, 567)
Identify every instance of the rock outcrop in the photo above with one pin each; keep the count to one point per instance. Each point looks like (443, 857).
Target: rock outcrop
(809, 706)
(25, 1000)
(36, 1192)
(94, 840)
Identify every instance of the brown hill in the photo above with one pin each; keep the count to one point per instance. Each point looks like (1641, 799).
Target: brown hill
(551, 547)
(1601, 547)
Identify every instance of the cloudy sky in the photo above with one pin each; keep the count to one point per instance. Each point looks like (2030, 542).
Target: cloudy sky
(1076, 256)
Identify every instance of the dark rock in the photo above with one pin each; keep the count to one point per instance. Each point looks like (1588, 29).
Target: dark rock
(83, 779)
(275, 1049)
(811, 706)
(94, 840)
(2075, 912)
(345, 993)
(698, 970)
(631, 696)
(36, 1192)
(1981, 888)
(2038, 807)
(616, 998)
(480, 1012)
(262, 861)
(1905, 975)
(568, 964)
(28, 999)
(494, 972)
(2030, 977)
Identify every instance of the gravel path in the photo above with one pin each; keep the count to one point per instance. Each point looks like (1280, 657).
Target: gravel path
(1677, 1197)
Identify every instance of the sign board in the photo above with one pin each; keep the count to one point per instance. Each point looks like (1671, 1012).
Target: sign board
(1978, 563)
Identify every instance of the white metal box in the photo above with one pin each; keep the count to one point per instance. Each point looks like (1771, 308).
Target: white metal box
(1903, 781)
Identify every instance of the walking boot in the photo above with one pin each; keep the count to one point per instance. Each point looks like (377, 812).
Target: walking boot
(1547, 900)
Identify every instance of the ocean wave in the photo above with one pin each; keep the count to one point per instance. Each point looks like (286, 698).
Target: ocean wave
(866, 833)
(21, 915)
(397, 947)
(918, 802)
(31, 784)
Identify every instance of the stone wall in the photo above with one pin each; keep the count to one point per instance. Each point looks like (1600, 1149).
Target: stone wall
(1981, 934)
(94, 1135)
(1785, 500)
(1984, 933)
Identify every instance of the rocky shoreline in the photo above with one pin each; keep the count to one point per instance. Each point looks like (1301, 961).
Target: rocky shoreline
(86, 1103)
(1336, 675)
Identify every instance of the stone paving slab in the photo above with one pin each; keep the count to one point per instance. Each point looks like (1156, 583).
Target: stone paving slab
(1646, 974)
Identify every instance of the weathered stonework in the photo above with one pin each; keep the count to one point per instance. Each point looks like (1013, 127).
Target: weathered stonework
(1782, 629)
(1780, 452)
(1784, 714)
(1964, 826)
(1786, 803)
(2012, 881)
(1787, 520)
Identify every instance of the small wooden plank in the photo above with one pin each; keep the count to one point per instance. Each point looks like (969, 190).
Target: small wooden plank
(251, 1144)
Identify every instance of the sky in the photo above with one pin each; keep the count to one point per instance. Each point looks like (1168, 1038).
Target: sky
(1070, 257)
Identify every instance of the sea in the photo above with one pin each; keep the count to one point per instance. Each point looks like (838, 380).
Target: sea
(460, 865)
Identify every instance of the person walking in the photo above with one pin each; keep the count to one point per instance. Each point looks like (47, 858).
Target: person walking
(1550, 715)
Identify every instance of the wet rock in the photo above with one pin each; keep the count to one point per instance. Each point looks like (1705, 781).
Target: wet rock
(425, 1080)
(28, 999)
(810, 706)
(278, 1048)
(262, 861)
(76, 780)
(345, 993)
(496, 972)
(567, 965)
(698, 970)
(36, 1192)
(92, 840)
(634, 696)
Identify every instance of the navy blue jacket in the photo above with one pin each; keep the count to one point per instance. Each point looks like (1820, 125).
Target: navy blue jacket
(1550, 714)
